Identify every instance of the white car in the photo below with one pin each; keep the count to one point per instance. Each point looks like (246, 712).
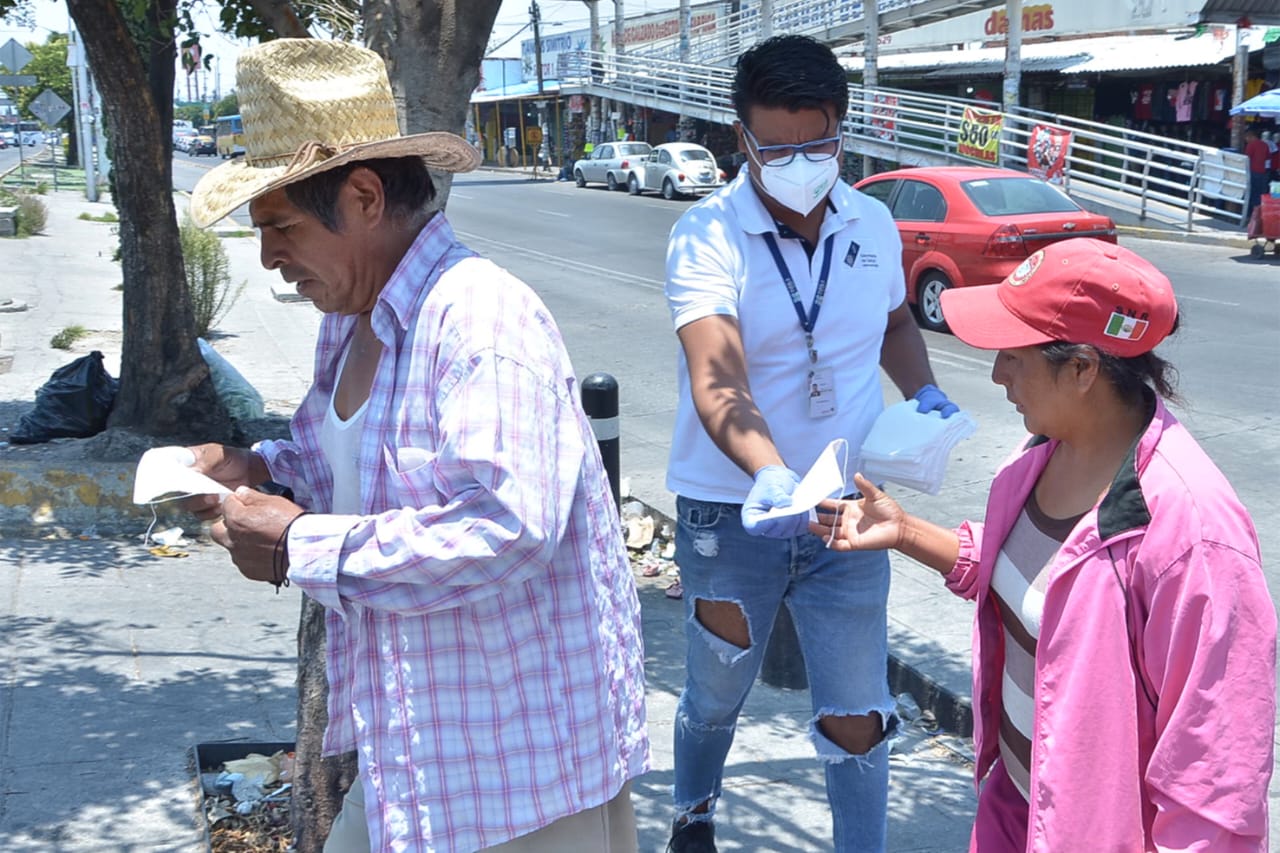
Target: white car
(677, 169)
(610, 163)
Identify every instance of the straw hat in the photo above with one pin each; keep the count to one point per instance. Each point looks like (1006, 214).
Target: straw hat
(308, 105)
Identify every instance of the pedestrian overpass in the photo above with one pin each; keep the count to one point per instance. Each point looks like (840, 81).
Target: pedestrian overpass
(1152, 179)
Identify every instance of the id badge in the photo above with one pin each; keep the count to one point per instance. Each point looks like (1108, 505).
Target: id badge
(822, 392)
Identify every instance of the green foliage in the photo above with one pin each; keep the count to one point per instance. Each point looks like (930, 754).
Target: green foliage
(105, 217)
(49, 66)
(67, 337)
(228, 106)
(192, 112)
(208, 276)
(32, 215)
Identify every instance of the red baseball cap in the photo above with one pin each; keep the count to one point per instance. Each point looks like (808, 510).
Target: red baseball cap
(1080, 291)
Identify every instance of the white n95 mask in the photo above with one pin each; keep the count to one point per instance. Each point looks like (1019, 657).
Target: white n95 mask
(801, 184)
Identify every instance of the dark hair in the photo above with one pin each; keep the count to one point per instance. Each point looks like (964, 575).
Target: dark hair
(405, 182)
(795, 72)
(1131, 377)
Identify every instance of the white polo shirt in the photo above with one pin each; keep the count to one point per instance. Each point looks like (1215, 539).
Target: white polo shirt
(718, 263)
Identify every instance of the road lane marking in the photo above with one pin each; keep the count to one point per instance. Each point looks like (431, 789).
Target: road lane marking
(553, 213)
(1182, 296)
(963, 362)
(557, 260)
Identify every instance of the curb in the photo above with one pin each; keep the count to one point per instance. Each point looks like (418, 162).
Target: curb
(41, 501)
(1211, 238)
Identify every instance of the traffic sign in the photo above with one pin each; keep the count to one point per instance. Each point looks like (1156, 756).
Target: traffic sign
(14, 56)
(48, 107)
(17, 79)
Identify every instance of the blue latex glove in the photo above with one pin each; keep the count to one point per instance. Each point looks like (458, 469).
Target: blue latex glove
(931, 398)
(773, 487)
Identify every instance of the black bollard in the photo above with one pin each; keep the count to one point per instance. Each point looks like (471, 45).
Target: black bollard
(600, 402)
(783, 664)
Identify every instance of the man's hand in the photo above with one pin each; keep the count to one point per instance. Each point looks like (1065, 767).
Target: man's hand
(930, 398)
(251, 528)
(772, 488)
(231, 466)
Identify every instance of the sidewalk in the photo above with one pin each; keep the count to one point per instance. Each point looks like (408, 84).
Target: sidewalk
(111, 674)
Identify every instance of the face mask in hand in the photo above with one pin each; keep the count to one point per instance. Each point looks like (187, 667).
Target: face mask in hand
(801, 184)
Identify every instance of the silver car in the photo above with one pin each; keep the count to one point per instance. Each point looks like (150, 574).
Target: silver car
(677, 169)
(609, 163)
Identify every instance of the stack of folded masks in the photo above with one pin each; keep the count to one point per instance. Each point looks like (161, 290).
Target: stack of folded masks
(910, 448)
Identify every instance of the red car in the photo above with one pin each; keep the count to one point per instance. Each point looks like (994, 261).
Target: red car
(963, 225)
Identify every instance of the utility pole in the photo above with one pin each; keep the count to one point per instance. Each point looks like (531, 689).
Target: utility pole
(766, 19)
(83, 97)
(619, 28)
(1013, 56)
(536, 16)
(870, 69)
(1239, 76)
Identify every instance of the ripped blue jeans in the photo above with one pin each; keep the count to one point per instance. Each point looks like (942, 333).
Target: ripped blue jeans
(837, 601)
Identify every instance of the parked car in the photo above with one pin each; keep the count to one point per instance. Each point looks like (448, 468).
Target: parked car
(609, 163)
(32, 138)
(182, 139)
(965, 225)
(202, 145)
(676, 169)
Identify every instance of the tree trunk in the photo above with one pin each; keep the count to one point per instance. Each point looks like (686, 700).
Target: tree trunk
(433, 52)
(318, 783)
(165, 388)
(280, 17)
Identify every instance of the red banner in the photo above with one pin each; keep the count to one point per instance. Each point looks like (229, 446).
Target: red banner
(1047, 150)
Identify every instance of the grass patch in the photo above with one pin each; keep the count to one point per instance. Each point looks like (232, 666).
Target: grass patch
(244, 232)
(32, 215)
(104, 217)
(68, 336)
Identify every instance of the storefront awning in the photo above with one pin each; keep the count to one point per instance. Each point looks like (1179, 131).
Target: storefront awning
(1071, 56)
(550, 89)
(1261, 13)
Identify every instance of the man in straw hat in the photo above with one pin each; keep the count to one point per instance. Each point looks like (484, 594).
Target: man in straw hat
(451, 513)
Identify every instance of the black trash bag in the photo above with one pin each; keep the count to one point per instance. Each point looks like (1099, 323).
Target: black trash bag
(74, 403)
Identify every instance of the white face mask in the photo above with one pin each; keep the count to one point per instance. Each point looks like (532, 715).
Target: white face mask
(801, 185)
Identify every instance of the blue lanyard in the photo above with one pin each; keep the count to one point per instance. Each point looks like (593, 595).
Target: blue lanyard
(810, 319)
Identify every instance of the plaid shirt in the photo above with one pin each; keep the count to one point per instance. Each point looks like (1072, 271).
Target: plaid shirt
(484, 647)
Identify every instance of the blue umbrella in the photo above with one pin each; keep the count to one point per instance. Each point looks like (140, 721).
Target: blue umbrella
(1266, 104)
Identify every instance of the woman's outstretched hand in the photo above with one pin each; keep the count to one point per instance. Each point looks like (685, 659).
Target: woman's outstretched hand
(872, 523)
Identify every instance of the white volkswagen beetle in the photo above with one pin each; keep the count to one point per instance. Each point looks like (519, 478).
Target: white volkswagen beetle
(677, 169)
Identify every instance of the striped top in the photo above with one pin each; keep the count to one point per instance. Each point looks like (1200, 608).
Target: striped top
(484, 653)
(1018, 582)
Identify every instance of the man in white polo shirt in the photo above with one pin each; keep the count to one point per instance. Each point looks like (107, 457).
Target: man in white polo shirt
(787, 294)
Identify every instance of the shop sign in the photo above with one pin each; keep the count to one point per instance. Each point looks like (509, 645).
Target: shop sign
(980, 135)
(575, 103)
(1047, 151)
(884, 112)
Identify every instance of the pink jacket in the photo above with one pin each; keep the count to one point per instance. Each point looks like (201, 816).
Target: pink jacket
(1157, 592)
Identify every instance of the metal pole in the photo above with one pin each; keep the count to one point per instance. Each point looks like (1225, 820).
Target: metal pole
(619, 29)
(870, 70)
(600, 402)
(1013, 55)
(766, 19)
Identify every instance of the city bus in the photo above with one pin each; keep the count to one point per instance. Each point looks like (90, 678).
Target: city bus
(230, 136)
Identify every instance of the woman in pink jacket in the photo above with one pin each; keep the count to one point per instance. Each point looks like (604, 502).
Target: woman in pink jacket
(1124, 640)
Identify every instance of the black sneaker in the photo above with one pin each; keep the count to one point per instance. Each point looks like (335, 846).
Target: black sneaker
(693, 837)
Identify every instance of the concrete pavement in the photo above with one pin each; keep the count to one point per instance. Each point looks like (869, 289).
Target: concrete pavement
(117, 662)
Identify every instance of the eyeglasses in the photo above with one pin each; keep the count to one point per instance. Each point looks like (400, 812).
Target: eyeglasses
(814, 151)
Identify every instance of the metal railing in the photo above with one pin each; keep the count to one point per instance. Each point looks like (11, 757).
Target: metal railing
(1150, 177)
(723, 39)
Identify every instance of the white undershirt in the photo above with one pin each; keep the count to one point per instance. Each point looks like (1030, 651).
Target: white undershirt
(340, 444)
